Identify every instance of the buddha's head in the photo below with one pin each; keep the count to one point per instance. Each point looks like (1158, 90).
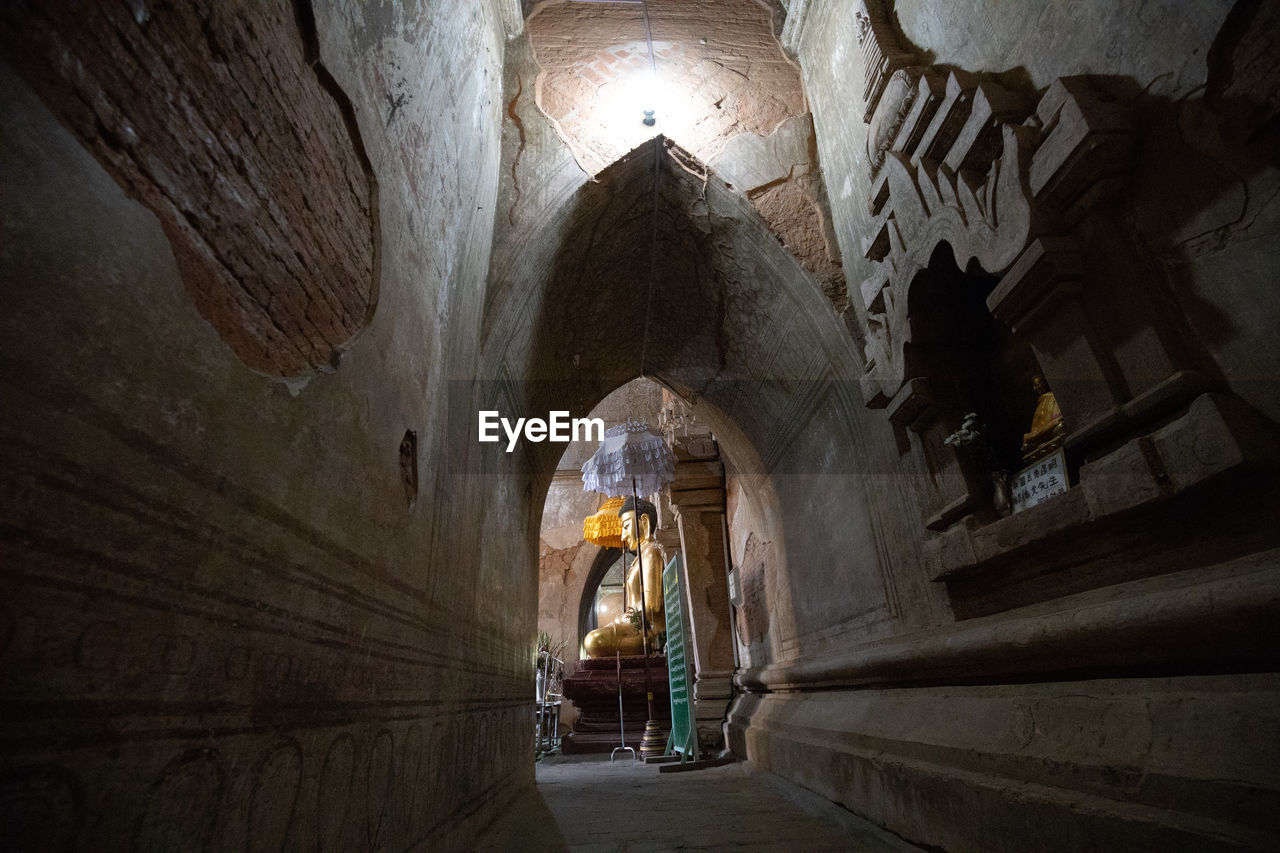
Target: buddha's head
(648, 522)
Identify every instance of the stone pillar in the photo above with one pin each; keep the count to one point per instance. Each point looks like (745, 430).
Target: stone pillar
(697, 501)
(667, 534)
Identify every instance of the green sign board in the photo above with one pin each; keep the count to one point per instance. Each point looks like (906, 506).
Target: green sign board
(684, 735)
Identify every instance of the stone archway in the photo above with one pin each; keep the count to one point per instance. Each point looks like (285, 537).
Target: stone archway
(658, 268)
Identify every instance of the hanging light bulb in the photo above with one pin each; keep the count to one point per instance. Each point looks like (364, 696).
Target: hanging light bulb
(648, 91)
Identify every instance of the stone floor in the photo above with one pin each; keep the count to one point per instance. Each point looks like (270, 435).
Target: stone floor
(585, 804)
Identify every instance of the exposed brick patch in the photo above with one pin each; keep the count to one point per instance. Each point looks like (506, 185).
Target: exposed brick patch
(795, 217)
(556, 582)
(556, 561)
(219, 118)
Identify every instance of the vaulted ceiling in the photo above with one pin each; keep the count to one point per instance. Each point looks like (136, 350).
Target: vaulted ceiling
(695, 251)
(715, 71)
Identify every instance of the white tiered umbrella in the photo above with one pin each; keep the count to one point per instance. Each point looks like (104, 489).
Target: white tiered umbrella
(632, 459)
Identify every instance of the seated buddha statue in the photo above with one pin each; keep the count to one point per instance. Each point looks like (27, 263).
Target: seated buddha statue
(1047, 428)
(621, 635)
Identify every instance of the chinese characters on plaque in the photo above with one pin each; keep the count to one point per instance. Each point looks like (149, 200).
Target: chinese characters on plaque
(1039, 482)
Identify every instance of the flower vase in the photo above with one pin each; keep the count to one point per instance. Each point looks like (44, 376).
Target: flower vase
(1000, 498)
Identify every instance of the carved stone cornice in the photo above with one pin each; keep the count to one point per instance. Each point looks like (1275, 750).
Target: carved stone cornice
(970, 163)
(882, 56)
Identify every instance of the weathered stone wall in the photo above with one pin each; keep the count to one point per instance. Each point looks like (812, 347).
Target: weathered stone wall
(719, 73)
(224, 623)
(1043, 698)
(722, 88)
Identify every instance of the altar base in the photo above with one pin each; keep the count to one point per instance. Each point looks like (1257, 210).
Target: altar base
(593, 689)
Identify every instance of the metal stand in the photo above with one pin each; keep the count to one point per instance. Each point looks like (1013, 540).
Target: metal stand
(549, 700)
(651, 746)
(621, 718)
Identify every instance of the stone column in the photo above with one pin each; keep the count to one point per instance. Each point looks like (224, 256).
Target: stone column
(667, 534)
(697, 501)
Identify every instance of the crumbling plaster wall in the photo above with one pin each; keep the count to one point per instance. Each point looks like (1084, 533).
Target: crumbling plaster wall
(993, 745)
(223, 624)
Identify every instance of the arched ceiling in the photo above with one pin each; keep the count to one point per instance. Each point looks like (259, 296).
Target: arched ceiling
(699, 257)
(723, 91)
(650, 270)
(717, 71)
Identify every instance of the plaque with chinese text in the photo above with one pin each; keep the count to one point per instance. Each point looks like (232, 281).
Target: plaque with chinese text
(1039, 482)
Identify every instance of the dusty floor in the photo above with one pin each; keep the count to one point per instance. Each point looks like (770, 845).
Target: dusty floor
(585, 804)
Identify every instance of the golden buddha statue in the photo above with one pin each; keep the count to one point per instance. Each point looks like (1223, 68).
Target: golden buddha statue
(1047, 428)
(621, 635)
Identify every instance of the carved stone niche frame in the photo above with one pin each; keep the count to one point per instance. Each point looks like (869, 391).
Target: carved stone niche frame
(1021, 189)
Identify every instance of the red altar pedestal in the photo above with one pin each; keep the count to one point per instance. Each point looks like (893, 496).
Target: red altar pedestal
(593, 689)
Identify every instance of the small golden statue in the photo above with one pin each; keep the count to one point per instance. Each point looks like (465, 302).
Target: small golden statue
(622, 634)
(1047, 429)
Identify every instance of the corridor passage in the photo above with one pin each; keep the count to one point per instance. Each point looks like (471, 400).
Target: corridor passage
(585, 804)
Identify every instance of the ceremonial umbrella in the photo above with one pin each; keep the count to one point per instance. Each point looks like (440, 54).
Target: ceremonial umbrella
(632, 458)
(604, 528)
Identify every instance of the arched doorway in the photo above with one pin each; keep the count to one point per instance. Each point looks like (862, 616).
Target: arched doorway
(652, 270)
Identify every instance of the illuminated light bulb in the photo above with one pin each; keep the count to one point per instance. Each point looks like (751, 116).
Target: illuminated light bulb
(647, 91)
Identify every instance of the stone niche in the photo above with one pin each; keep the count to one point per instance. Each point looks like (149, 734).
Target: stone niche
(999, 254)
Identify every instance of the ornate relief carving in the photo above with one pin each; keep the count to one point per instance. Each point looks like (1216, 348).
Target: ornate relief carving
(896, 102)
(864, 26)
(971, 163)
(881, 55)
